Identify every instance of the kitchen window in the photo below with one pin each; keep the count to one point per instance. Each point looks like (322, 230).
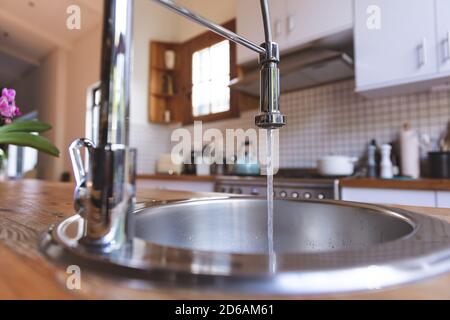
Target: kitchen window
(210, 79)
(93, 112)
(211, 64)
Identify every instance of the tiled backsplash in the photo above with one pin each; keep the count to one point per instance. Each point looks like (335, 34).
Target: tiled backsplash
(151, 141)
(333, 119)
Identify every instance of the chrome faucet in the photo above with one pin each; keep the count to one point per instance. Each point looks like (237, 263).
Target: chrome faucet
(105, 190)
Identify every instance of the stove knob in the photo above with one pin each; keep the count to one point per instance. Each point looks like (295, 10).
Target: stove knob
(321, 196)
(307, 195)
(283, 194)
(295, 195)
(238, 191)
(255, 192)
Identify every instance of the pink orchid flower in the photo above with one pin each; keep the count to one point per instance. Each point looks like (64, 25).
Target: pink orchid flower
(3, 102)
(8, 108)
(5, 108)
(9, 94)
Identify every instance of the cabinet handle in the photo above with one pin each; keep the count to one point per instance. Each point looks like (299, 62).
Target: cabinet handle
(290, 24)
(423, 53)
(277, 27)
(77, 162)
(81, 176)
(446, 44)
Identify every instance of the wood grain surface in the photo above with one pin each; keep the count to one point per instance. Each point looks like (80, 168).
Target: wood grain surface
(29, 208)
(420, 184)
(182, 177)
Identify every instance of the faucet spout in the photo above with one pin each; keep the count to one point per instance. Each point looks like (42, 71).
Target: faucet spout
(270, 116)
(224, 32)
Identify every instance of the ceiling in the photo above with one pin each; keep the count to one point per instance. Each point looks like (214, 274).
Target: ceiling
(31, 29)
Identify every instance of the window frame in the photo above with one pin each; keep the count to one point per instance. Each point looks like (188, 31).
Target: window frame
(198, 43)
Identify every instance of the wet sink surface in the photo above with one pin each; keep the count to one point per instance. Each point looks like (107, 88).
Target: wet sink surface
(322, 247)
(240, 226)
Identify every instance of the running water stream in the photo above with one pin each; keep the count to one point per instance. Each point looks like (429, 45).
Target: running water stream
(272, 256)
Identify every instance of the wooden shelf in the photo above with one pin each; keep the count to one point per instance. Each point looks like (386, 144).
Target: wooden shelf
(162, 69)
(162, 95)
(160, 102)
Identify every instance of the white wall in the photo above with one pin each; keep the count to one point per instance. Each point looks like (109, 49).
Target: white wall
(83, 63)
(151, 22)
(217, 11)
(58, 88)
(44, 90)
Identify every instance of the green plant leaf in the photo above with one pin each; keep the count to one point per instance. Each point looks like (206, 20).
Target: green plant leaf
(29, 140)
(25, 126)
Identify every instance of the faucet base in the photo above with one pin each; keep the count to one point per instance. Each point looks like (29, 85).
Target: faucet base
(105, 195)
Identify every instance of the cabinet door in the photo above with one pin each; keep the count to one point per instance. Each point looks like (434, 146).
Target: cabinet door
(308, 20)
(278, 19)
(443, 199)
(182, 185)
(422, 198)
(443, 37)
(395, 41)
(249, 25)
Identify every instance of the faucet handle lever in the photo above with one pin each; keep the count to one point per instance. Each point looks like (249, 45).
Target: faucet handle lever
(77, 162)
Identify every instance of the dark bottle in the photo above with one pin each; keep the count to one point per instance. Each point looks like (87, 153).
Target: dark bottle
(372, 160)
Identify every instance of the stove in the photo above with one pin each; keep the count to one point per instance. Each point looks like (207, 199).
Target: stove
(284, 188)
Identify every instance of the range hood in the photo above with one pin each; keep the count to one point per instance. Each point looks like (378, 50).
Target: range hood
(323, 61)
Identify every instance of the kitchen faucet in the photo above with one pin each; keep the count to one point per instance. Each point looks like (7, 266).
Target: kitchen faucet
(105, 190)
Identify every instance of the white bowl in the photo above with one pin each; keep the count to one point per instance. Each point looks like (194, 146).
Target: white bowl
(336, 166)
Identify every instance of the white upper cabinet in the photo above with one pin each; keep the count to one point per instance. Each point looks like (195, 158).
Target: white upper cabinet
(249, 25)
(395, 42)
(307, 20)
(443, 36)
(294, 22)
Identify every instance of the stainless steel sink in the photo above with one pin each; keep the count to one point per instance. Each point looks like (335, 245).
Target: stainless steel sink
(240, 226)
(221, 244)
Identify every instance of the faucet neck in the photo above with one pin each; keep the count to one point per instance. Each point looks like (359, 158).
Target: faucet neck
(116, 72)
(105, 193)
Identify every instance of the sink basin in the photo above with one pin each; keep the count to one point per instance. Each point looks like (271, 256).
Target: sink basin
(240, 226)
(322, 247)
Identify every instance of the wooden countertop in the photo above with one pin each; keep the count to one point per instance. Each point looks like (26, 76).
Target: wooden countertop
(29, 208)
(182, 177)
(420, 184)
(214, 178)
